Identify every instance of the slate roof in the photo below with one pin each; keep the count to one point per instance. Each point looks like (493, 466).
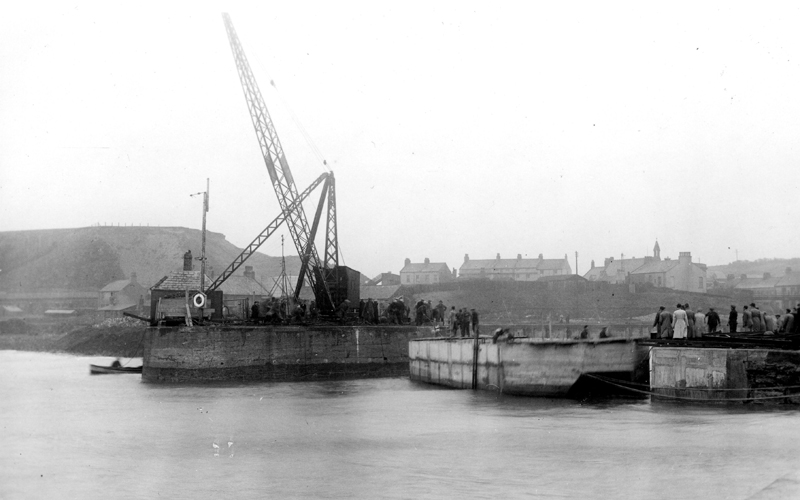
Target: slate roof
(551, 264)
(432, 267)
(562, 277)
(512, 264)
(791, 279)
(242, 285)
(180, 280)
(657, 266)
(754, 283)
(628, 265)
(594, 272)
(116, 307)
(116, 286)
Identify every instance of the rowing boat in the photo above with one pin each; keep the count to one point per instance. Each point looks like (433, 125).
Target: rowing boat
(104, 370)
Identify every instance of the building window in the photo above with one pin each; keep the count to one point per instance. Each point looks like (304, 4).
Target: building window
(701, 281)
(408, 279)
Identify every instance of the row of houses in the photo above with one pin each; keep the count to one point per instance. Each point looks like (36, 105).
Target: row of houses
(678, 274)
(518, 269)
(780, 293)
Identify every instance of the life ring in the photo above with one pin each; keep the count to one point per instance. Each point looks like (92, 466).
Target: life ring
(199, 300)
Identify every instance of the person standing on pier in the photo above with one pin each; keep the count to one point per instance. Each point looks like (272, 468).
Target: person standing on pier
(666, 324)
(699, 323)
(757, 318)
(733, 318)
(713, 320)
(442, 311)
(453, 320)
(747, 319)
(657, 324)
(475, 323)
(689, 321)
(788, 322)
(679, 323)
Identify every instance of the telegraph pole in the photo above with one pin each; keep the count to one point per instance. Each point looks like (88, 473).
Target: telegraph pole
(203, 247)
(576, 262)
(203, 244)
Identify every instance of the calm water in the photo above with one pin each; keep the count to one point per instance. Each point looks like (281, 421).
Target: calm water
(70, 435)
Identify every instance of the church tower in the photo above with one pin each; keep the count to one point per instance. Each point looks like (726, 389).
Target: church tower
(657, 251)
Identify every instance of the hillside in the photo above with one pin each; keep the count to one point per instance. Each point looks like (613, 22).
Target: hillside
(89, 258)
(520, 301)
(776, 267)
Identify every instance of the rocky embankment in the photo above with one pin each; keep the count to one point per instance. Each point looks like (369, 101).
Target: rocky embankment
(112, 337)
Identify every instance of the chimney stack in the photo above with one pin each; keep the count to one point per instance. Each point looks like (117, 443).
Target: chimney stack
(133, 277)
(408, 261)
(519, 256)
(466, 257)
(498, 256)
(427, 260)
(187, 261)
(685, 257)
(541, 256)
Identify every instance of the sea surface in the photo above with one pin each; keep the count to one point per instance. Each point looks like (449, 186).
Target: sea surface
(66, 434)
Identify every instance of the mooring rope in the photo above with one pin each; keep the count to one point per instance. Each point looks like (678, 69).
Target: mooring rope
(667, 396)
(137, 348)
(609, 379)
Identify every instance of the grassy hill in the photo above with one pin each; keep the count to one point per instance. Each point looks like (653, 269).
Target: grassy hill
(529, 302)
(776, 267)
(89, 258)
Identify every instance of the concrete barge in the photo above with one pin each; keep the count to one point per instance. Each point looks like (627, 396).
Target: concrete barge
(276, 353)
(524, 366)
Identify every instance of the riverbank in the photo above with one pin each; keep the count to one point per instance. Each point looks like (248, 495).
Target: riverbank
(114, 337)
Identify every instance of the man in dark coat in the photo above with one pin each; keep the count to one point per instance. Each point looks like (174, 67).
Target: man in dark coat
(689, 321)
(666, 324)
(657, 324)
(733, 319)
(254, 312)
(713, 320)
(475, 322)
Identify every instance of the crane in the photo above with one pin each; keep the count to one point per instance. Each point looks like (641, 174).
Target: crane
(322, 273)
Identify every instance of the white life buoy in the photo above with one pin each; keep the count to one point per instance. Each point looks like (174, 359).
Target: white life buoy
(199, 300)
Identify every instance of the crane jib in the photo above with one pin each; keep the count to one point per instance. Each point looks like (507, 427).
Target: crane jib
(281, 176)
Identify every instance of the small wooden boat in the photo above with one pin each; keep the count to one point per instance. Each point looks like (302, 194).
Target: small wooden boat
(104, 370)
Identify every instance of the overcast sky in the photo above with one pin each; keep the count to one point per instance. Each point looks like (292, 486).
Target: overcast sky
(452, 128)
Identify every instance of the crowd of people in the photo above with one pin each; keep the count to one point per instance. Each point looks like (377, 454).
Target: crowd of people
(685, 323)
(275, 310)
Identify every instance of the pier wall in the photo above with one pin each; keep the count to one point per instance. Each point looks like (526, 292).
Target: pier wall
(325, 352)
(723, 374)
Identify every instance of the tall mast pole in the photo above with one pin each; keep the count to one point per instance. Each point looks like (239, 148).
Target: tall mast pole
(203, 246)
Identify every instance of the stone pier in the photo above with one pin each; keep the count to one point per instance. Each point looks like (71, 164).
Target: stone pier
(706, 374)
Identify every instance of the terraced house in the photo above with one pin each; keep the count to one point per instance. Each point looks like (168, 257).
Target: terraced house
(518, 269)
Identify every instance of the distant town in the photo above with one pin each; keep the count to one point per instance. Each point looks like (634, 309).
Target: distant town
(107, 271)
